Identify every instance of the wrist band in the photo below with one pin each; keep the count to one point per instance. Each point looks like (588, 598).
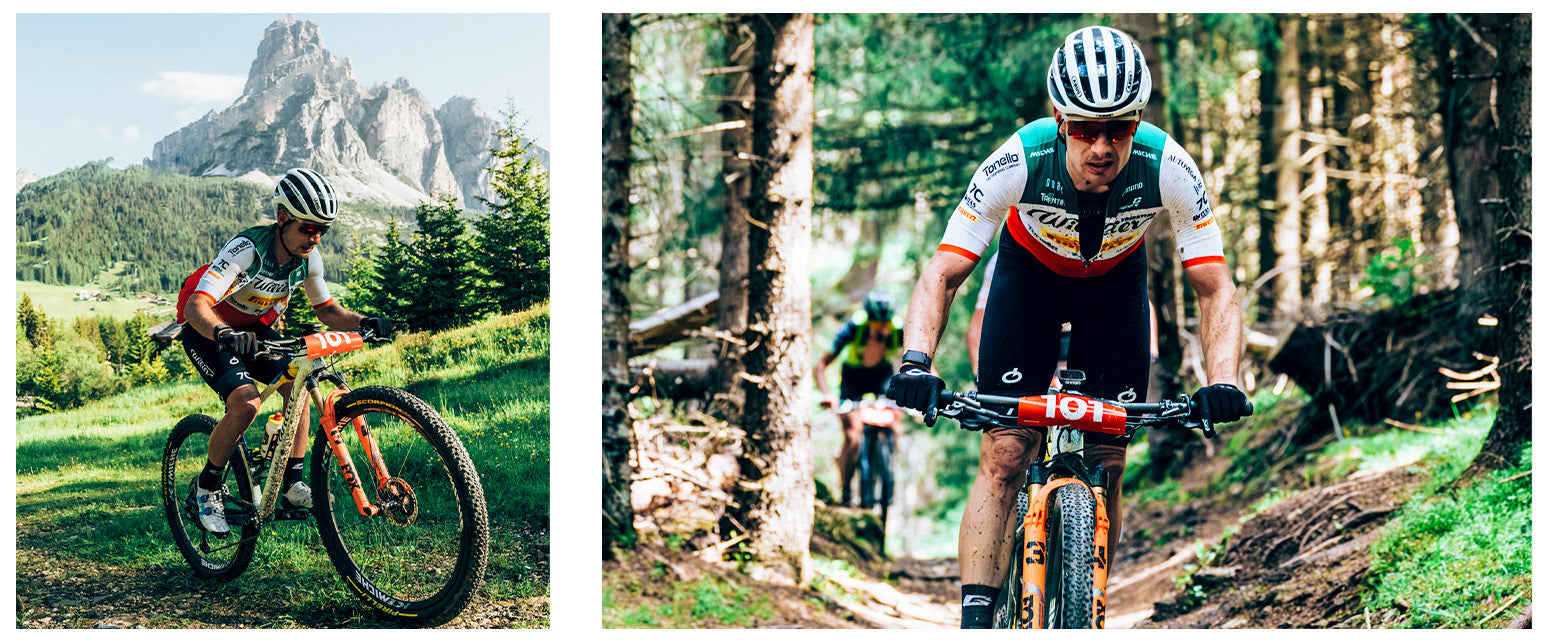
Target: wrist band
(918, 358)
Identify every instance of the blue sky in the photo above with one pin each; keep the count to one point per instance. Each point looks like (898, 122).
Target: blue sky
(91, 86)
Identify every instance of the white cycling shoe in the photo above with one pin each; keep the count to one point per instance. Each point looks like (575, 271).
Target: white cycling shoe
(212, 510)
(299, 495)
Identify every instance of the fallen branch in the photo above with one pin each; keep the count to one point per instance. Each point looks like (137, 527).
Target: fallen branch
(1411, 427)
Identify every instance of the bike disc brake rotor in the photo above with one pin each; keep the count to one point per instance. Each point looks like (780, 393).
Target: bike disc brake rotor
(398, 502)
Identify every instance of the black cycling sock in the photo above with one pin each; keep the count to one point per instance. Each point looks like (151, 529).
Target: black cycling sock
(979, 602)
(210, 478)
(293, 472)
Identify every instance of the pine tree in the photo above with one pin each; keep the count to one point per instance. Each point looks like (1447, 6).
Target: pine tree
(114, 342)
(383, 280)
(514, 236)
(34, 323)
(443, 273)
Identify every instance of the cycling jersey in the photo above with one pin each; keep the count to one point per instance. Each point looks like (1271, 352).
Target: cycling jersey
(852, 340)
(1027, 178)
(246, 284)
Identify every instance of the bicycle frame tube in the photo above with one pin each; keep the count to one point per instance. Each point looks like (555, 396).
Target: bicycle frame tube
(332, 429)
(271, 494)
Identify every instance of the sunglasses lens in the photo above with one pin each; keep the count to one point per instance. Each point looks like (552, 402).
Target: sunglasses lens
(310, 229)
(1089, 130)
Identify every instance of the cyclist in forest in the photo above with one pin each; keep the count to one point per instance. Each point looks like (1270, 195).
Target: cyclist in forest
(227, 306)
(869, 342)
(1076, 193)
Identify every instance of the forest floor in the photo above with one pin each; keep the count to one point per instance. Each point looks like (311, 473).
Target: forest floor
(1223, 558)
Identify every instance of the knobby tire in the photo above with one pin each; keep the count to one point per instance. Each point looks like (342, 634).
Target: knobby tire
(182, 461)
(422, 572)
(1068, 590)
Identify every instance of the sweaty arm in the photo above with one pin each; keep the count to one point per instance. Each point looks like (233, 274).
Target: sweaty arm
(932, 297)
(1205, 264)
(328, 310)
(1221, 321)
(993, 192)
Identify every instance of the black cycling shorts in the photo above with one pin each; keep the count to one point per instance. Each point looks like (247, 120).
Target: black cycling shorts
(225, 372)
(856, 382)
(1110, 327)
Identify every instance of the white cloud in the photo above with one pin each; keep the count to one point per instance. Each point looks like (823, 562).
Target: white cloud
(132, 133)
(195, 88)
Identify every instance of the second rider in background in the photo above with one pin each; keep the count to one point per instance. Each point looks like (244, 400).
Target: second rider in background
(869, 341)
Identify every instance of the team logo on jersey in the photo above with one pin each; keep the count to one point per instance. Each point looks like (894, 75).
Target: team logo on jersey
(261, 301)
(964, 211)
(1010, 159)
(1065, 242)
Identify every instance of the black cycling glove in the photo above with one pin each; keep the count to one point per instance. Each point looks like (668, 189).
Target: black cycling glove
(381, 327)
(915, 388)
(243, 344)
(1221, 403)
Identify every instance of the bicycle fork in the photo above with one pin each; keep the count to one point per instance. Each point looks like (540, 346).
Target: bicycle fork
(1035, 554)
(333, 431)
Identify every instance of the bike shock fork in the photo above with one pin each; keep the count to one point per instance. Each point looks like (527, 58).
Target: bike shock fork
(1101, 551)
(332, 430)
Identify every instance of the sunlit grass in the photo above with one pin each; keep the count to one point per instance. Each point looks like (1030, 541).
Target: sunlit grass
(88, 485)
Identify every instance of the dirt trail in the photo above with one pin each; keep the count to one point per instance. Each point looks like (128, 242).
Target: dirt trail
(57, 592)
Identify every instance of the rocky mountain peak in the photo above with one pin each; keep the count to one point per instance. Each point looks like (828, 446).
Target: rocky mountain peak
(302, 107)
(289, 47)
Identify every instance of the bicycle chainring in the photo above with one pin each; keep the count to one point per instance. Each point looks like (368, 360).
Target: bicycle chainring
(398, 502)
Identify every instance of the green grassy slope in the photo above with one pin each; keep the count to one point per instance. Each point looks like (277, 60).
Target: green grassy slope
(88, 506)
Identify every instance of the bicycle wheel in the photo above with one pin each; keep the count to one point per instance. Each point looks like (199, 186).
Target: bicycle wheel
(182, 461)
(884, 473)
(1009, 601)
(1068, 590)
(420, 559)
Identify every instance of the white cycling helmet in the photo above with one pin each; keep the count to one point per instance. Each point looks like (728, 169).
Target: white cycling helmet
(307, 195)
(1099, 73)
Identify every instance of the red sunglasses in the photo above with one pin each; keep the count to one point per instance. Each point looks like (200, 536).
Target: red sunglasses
(309, 229)
(1088, 131)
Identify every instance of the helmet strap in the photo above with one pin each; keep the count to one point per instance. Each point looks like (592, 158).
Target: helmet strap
(280, 237)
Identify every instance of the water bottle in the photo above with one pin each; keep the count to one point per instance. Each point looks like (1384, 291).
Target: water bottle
(272, 433)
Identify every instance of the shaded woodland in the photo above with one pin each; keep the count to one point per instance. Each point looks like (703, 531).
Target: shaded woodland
(1369, 172)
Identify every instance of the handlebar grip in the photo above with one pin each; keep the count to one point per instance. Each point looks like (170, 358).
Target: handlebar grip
(1248, 408)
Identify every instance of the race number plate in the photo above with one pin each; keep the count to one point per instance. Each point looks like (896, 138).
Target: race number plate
(327, 343)
(1086, 414)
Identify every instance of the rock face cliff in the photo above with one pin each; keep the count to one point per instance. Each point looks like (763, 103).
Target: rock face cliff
(302, 106)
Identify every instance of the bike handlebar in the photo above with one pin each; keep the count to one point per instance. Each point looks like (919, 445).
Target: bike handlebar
(988, 411)
(292, 348)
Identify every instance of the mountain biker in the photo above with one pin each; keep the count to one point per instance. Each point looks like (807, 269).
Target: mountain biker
(1080, 189)
(227, 307)
(869, 341)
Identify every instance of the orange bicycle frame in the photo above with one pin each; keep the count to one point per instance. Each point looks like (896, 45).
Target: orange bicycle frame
(332, 431)
(1034, 554)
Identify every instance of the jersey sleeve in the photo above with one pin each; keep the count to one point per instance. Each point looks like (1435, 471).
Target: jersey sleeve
(845, 335)
(990, 272)
(228, 269)
(997, 185)
(316, 288)
(1188, 204)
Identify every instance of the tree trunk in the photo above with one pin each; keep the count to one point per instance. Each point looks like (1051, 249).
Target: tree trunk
(1286, 229)
(1511, 290)
(1320, 287)
(775, 497)
(618, 103)
(736, 147)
